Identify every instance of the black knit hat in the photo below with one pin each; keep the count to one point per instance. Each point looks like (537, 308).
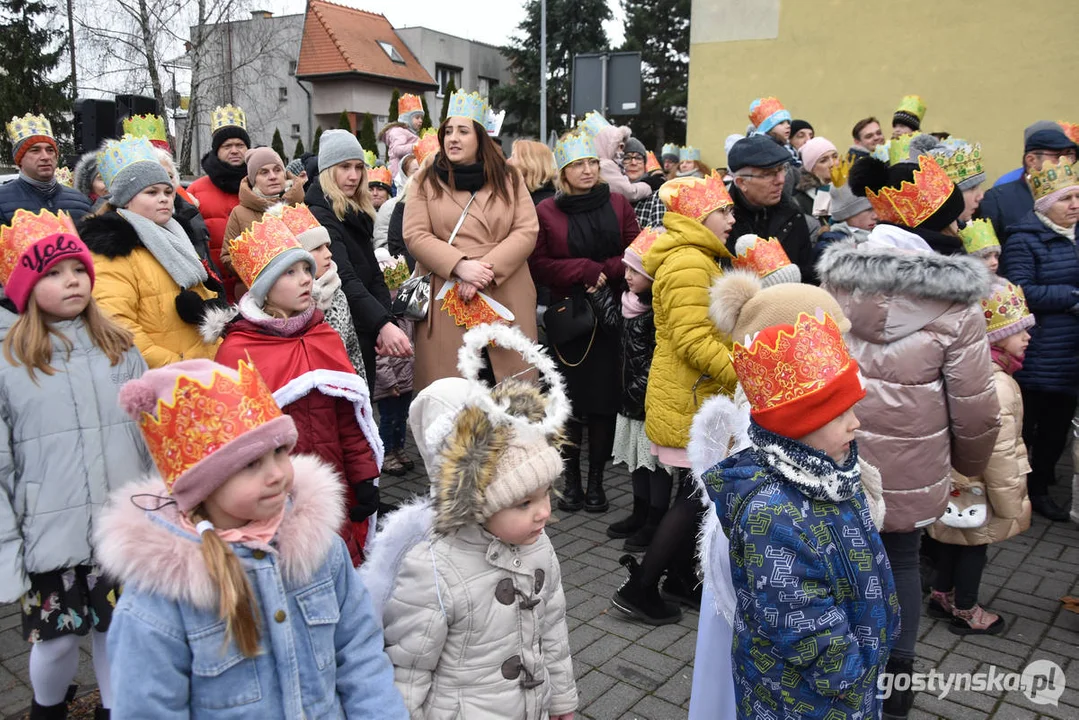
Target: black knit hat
(229, 132)
(871, 174)
(901, 117)
(797, 125)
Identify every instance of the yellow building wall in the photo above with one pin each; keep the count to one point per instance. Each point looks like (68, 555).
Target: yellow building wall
(985, 69)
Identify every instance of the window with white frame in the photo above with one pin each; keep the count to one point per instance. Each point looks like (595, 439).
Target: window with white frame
(282, 94)
(486, 85)
(443, 75)
(390, 50)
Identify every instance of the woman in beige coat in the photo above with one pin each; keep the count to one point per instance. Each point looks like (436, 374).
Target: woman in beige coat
(490, 252)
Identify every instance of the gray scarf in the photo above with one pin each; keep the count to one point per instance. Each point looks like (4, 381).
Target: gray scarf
(170, 246)
(45, 187)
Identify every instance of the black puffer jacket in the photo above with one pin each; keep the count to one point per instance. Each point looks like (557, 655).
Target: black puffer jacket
(638, 338)
(784, 221)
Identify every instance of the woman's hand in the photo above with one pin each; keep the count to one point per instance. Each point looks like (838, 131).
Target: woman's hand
(393, 342)
(474, 272)
(600, 282)
(466, 291)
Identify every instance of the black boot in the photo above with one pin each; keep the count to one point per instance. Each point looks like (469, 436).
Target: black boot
(595, 500)
(897, 705)
(53, 712)
(635, 521)
(572, 498)
(1048, 508)
(640, 540)
(643, 603)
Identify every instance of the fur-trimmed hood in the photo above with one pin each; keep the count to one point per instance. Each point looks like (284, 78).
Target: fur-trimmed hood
(109, 234)
(84, 173)
(608, 139)
(148, 549)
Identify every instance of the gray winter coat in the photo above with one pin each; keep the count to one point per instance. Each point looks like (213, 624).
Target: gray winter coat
(64, 445)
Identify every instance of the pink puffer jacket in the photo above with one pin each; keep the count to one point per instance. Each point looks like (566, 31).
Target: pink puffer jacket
(918, 335)
(607, 141)
(399, 141)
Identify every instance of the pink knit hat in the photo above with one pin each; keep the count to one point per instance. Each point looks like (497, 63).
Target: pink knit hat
(257, 158)
(203, 422)
(31, 245)
(813, 150)
(633, 255)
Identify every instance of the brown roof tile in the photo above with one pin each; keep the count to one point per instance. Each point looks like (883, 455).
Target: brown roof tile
(342, 40)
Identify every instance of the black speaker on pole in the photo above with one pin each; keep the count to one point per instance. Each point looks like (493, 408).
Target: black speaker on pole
(129, 105)
(95, 121)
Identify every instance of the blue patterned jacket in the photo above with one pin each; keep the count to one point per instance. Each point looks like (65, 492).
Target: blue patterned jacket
(817, 612)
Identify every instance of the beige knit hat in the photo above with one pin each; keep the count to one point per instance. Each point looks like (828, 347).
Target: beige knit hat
(741, 307)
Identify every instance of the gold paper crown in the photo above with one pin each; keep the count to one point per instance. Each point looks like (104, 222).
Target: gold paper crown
(468, 105)
(841, 170)
(227, 116)
(380, 174)
(201, 419)
(408, 104)
(763, 258)
(899, 148)
(651, 164)
(979, 235)
(964, 163)
(764, 108)
(912, 105)
(256, 246)
(1005, 306)
(21, 129)
(64, 176)
(913, 203)
(695, 197)
(151, 127)
(25, 230)
(1052, 178)
(299, 219)
(779, 367)
(427, 145)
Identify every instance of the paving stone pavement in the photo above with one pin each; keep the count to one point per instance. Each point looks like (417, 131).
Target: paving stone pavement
(627, 670)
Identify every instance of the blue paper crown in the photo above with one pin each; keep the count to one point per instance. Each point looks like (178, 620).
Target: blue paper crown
(573, 147)
(468, 105)
(119, 154)
(594, 122)
(689, 153)
(670, 149)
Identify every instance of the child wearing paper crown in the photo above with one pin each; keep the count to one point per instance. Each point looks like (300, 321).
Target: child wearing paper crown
(240, 600)
(466, 581)
(993, 506)
(816, 610)
(980, 240)
(277, 326)
(64, 445)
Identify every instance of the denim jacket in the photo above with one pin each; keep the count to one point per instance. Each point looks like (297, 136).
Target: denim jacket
(321, 653)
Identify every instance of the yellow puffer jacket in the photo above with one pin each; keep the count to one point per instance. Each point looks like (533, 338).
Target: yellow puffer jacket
(692, 360)
(135, 290)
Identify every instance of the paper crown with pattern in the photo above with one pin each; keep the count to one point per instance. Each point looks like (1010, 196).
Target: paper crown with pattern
(651, 164)
(1006, 311)
(979, 238)
(1071, 130)
(151, 127)
(766, 259)
(227, 116)
(259, 244)
(798, 377)
(31, 245)
(370, 159)
(21, 129)
(695, 197)
(669, 149)
(689, 153)
(645, 240)
(27, 229)
(912, 105)
(298, 218)
(409, 103)
(426, 145)
(912, 203)
(468, 105)
(965, 161)
(763, 109)
(119, 154)
(574, 146)
(380, 174)
(202, 419)
(899, 148)
(64, 176)
(1052, 177)
(594, 122)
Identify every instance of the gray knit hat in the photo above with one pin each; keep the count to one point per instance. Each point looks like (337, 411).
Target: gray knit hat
(633, 145)
(845, 204)
(295, 167)
(336, 147)
(135, 178)
(275, 269)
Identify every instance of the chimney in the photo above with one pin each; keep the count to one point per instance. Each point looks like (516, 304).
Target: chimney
(261, 14)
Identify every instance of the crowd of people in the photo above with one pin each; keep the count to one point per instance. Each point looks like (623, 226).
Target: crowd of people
(833, 378)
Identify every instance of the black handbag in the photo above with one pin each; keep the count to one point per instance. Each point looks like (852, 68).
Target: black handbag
(567, 320)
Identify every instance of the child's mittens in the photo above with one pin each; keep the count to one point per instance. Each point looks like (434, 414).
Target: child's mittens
(366, 496)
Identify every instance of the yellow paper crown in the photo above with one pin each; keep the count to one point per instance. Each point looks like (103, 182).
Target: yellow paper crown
(21, 129)
(256, 246)
(912, 105)
(151, 127)
(25, 230)
(1052, 178)
(408, 104)
(380, 174)
(913, 203)
(64, 176)
(201, 419)
(468, 105)
(978, 235)
(841, 170)
(574, 146)
(899, 148)
(427, 145)
(227, 116)
(965, 161)
(299, 219)
(1005, 307)
(695, 197)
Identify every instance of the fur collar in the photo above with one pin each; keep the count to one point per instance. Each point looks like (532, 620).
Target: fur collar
(400, 532)
(251, 200)
(149, 551)
(109, 234)
(216, 321)
(953, 279)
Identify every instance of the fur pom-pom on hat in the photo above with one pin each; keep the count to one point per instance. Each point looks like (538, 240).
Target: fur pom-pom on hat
(137, 397)
(729, 294)
(868, 173)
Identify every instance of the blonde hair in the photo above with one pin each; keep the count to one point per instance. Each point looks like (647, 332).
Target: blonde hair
(536, 163)
(235, 598)
(359, 202)
(28, 342)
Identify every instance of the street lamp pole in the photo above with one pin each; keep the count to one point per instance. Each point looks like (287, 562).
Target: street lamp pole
(543, 71)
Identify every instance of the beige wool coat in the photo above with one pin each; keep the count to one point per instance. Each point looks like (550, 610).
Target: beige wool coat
(497, 232)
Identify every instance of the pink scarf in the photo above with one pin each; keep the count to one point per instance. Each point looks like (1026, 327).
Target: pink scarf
(1005, 360)
(632, 306)
(257, 533)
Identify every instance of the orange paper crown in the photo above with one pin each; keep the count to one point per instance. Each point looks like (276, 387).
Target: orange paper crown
(25, 230)
(798, 378)
(298, 219)
(380, 174)
(409, 104)
(651, 164)
(913, 203)
(202, 419)
(695, 197)
(763, 258)
(253, 250)
(767, 107)
(643, 242)
(1071, 130)
(427, 145)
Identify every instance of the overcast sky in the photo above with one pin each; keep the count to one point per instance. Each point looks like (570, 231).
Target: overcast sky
(489, 21)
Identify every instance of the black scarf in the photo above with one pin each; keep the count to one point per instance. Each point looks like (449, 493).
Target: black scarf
(594, 232)
(465, 177)
(224, 176)
(942, 244)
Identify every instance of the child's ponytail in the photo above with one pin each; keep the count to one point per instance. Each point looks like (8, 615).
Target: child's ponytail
(236, 604)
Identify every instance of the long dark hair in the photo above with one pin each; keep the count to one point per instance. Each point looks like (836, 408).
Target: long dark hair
(496, 172)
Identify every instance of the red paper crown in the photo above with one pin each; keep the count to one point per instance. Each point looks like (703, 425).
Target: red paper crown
(299, 219)
(380, 174)
(798, 378)
(767, 107)
(651, 163)
(643, 242)
(25, 230)
(258, 245)
(914, 203)
(1071, 130)
(409, 104)
(201, 419)
(427, 145)
(763, 259)
(695, 197)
